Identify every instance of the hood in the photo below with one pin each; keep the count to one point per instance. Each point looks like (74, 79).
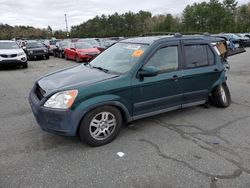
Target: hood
(11, 51)
(89, 50)
(73, 77)
(34, 49)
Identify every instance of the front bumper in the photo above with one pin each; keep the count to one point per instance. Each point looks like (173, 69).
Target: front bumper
(63, 122)
(37, 55)
(13, 61)
(86, 57)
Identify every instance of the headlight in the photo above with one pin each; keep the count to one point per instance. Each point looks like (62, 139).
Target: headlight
(21, 53)
(45, 50)
(31, 52)
(62, 100)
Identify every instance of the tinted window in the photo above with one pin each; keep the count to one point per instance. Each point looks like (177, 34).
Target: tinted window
(198, 56)
(34, 45)
(165, 59)
(210, 55)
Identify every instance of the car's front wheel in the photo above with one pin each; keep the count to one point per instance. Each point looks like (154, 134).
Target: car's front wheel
(101, 125)
(221, 96)
(25, 65)
(77, 59)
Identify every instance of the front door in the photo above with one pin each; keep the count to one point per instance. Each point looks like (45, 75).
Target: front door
(160, 92)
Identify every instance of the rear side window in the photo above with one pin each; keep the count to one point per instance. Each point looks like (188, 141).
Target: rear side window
(198, 56)
(165, 59)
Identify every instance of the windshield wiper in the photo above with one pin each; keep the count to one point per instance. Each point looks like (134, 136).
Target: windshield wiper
(102, 69)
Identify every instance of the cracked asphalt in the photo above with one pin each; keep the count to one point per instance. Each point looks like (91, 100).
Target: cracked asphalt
(192, 147)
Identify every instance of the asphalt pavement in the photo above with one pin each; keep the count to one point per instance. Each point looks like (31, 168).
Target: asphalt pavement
(192, 147)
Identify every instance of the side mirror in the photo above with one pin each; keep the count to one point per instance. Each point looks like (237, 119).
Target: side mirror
(148, 71)
(73, 49)
(24, 48)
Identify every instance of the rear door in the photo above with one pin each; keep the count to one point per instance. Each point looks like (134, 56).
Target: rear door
(200, 71)
(161, 92)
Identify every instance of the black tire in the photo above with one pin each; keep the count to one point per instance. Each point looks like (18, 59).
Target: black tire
(47, 56)
(55, 54)
(221, 96)
(25, 65)
(86, 128)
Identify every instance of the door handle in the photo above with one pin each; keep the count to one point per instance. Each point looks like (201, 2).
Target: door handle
(175, 78)
(216, 70)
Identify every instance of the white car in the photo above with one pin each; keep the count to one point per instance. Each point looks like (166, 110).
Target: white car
(11, 54)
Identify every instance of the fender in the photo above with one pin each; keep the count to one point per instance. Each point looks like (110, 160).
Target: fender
(221, 80)
(103, 100)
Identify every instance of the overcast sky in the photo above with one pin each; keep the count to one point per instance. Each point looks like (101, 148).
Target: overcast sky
(41, 13)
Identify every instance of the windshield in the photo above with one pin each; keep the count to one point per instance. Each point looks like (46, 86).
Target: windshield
(82, 45)
(92, 42)
(53, 42)
(119, 58)
(34, 45)
(64, 44)
(8, 45)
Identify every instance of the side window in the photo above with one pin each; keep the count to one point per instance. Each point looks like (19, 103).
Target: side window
(165, 59)
(211, 57)
(198, 56)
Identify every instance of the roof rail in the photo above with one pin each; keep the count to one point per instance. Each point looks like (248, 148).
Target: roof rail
(156, 33)
(178, 35)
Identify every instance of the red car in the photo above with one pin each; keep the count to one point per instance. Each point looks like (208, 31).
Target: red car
(81, 52)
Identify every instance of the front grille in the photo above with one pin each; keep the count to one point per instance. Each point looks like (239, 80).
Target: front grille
(38, 51)
(8, 55)
(39, 92)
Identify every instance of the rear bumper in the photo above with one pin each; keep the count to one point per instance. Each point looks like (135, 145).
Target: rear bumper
(63, 122)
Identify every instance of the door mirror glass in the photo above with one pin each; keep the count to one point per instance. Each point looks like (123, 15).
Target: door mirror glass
(149, 71)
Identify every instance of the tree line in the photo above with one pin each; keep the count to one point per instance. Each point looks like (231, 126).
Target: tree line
(213, 17)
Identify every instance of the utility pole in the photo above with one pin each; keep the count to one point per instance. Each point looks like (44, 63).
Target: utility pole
(66, 22)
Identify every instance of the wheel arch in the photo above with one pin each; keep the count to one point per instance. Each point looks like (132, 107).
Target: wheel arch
(121, 107)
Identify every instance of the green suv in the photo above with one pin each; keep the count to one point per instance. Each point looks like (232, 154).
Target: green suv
(133, 79)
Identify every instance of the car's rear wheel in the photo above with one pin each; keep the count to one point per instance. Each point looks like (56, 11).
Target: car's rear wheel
(221, 96)
(100, 126)
(47, 56)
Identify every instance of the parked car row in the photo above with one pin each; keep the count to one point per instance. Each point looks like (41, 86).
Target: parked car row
(81, 50)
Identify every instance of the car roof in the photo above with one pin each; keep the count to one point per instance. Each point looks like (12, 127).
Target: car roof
(151, 39)
(7, 41)
(29, 41)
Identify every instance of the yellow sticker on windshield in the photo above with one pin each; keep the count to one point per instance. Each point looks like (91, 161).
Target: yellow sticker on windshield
(137, 53)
